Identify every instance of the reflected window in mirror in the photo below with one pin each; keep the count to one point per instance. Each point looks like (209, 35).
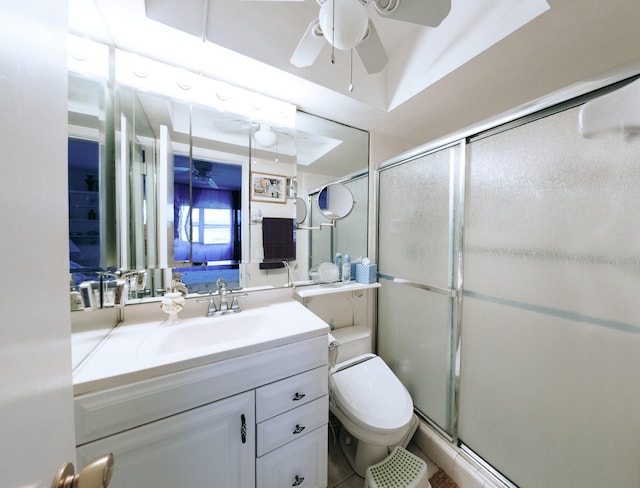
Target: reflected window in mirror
(207, 222)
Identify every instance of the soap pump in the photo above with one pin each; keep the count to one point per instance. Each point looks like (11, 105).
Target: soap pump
(172, 302)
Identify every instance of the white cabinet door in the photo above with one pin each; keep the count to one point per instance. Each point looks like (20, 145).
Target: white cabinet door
(212, 446)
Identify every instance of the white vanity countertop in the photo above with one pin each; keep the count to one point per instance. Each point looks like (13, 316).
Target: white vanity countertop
(144, 349)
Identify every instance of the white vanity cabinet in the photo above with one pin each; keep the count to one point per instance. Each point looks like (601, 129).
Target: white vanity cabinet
(292, 416)
(258, 419)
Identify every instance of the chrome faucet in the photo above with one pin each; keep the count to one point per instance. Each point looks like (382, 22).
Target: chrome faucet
(222, 307)
(222, 292)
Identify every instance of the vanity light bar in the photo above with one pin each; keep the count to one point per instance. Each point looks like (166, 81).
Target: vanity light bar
(149, 75)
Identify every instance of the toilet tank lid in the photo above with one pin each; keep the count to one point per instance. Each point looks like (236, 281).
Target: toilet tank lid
(371, 395)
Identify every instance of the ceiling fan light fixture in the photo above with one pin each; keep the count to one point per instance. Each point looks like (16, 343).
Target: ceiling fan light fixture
(343, 22)
(265, 137)
(385, 7)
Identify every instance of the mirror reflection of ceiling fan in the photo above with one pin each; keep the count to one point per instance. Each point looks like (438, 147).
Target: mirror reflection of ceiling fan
(345, 25)
(268, 136)
(200, 174)
(264, 134)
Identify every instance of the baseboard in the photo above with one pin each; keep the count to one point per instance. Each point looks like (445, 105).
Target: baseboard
(453, 461)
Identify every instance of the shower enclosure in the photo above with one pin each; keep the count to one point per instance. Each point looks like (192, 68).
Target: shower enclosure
(510, 271)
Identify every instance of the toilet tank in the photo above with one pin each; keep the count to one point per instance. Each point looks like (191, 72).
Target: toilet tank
(353, 341)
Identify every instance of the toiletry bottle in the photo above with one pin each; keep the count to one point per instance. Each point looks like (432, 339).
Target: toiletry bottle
(338, 262)
(346, 269)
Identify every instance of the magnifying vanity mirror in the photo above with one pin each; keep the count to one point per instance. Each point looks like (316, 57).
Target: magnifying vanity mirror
(301, 211)
(335, 201)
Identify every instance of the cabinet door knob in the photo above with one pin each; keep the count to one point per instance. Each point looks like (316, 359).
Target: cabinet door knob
(298, 396)
(298, 480)
(299, 428)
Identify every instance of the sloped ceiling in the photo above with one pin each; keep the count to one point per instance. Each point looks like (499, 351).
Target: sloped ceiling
(486, 57)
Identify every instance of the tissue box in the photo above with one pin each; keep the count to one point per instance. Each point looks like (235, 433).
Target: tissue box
(366, 273)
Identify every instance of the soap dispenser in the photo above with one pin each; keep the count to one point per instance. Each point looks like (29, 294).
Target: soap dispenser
(172, 302)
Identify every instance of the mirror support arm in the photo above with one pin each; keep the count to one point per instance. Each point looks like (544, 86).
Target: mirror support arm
(319, 227)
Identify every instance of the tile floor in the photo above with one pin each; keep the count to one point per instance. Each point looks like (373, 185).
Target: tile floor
(340, 473)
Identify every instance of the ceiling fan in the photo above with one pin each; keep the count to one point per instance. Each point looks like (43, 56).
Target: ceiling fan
(200, 174)
(265, 135)
(346, 25)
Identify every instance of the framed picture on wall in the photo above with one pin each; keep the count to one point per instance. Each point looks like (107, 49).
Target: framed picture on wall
(268, 188)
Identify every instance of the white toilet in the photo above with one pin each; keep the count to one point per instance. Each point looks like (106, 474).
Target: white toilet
(374, 408)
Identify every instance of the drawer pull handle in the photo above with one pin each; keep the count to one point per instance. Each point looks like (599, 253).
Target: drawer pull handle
(298, 480)
(298, 396)
(299, 428)
(243, 429)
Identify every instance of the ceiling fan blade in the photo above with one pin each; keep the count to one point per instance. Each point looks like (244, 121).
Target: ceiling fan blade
(309, 46)
(371, 51)
(422, 12)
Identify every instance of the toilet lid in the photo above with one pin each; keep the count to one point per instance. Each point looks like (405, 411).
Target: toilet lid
(372, 396)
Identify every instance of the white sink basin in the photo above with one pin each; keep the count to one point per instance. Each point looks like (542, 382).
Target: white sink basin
(143, 349)
(216, 333)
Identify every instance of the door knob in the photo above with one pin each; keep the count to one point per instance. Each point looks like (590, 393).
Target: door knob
(96, 474)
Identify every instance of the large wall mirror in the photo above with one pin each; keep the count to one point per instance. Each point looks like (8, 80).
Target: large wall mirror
(177, 186)
(346, 164)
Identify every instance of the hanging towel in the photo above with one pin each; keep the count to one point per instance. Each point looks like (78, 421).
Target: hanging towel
(278, 241)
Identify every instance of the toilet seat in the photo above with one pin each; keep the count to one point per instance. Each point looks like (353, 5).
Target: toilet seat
(368, 392)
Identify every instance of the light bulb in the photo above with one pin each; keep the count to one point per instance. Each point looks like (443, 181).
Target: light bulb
(266, 137)
(349, 19)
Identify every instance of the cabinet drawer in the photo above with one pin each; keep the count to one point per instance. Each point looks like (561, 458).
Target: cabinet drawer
(291, 425)
(302, 463)
(291, 392)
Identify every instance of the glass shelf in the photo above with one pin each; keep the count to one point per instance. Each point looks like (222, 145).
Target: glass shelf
(330, 288)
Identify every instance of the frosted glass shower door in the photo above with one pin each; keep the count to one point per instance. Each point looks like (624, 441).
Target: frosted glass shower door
(550, 323)
(416, 235)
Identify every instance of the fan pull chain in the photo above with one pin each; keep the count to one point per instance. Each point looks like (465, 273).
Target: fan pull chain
(276, 160)
(333, 33)
(351, 73)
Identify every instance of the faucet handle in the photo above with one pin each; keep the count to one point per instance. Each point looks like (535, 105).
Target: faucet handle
(209, 294)
(234, 301)
(210, 300)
